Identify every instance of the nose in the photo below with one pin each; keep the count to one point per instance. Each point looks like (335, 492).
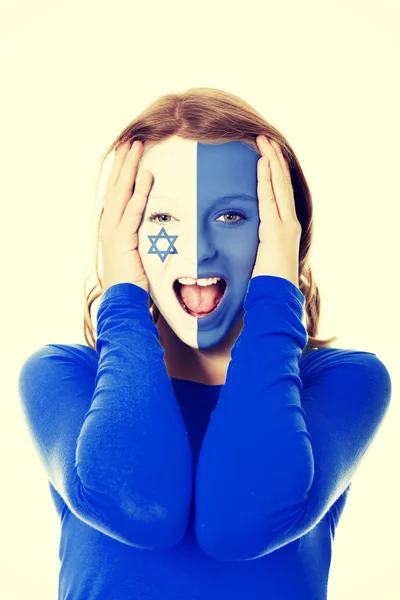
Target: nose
(205, 248)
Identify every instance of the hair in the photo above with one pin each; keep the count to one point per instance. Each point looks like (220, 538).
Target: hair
(216, 116)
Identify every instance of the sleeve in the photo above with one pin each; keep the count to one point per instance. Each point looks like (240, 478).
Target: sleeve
(113, 442)
(276, 454)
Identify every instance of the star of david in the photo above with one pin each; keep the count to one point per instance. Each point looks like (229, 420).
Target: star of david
(162, 235)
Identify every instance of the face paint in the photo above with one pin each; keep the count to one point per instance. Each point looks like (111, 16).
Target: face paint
(201, 221)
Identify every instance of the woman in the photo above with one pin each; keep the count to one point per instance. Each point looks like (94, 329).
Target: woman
(203, 445)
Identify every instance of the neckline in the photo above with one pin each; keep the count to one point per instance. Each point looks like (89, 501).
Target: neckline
(305, 352)
(210, 385)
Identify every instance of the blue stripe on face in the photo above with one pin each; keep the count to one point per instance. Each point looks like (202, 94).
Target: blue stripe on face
(226, 246)
(210, 193)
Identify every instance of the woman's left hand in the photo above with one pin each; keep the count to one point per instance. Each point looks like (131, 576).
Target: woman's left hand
(279, 231)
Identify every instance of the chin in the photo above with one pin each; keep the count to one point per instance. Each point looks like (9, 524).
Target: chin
(187, 339)
(211, 340)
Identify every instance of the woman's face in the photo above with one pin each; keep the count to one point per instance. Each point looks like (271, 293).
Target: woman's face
(207, 226)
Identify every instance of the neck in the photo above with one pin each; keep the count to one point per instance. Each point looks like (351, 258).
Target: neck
(203, 366)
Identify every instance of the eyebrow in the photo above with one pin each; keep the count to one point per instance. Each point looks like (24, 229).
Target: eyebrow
(226, 197)
(229, 197)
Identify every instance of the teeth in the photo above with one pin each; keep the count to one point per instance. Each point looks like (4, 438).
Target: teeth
(203, 282)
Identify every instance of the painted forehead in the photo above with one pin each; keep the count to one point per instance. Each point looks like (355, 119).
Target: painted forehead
(178, 166)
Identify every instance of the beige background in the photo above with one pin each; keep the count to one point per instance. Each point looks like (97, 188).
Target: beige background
(73, 75)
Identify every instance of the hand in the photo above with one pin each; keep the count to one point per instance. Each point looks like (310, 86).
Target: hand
(122, 216)
(279, 231)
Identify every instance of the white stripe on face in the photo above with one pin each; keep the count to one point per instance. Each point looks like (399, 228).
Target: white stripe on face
(197, 184)
(173, 164)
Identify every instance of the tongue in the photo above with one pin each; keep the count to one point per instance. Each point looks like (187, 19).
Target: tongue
(201, 299)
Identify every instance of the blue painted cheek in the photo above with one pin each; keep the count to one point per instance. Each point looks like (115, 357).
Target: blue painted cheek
(241, 244)
(225, 170)
(233, 246)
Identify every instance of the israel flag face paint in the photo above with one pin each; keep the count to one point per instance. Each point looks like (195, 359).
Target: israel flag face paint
(204, 225)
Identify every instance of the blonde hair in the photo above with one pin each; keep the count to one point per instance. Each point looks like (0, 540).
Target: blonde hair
(215, 116)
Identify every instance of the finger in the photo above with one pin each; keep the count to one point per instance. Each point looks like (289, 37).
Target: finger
(119, 158)
(130, 167)
(281, 158)
(280, 180)
(136, 206)
(267, 206)
(119, 190)
(284, 182)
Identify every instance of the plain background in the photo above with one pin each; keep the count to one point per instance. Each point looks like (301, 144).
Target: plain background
(73, 75)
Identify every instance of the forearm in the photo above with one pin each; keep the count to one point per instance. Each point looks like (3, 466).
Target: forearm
(255, 465)
(133, 456)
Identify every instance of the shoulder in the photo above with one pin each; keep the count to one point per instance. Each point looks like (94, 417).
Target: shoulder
(349, 368)
(315, 358)
(59, 354)
(51, 366)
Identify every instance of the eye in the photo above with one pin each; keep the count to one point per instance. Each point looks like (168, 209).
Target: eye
(232, 214)
(152, 218)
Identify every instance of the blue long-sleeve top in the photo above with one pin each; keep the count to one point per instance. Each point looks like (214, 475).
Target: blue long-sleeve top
(173, 489)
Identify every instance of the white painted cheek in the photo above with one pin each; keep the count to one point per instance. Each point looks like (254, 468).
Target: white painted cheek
(151, 263)
(174, 166)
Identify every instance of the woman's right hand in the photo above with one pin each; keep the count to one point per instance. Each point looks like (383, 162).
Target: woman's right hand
(122, 216)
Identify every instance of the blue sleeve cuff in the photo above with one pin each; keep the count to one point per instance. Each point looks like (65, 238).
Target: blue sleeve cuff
(269, 286)
(128, 292)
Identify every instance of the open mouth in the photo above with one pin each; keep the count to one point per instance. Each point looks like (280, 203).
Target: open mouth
(221, 290)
